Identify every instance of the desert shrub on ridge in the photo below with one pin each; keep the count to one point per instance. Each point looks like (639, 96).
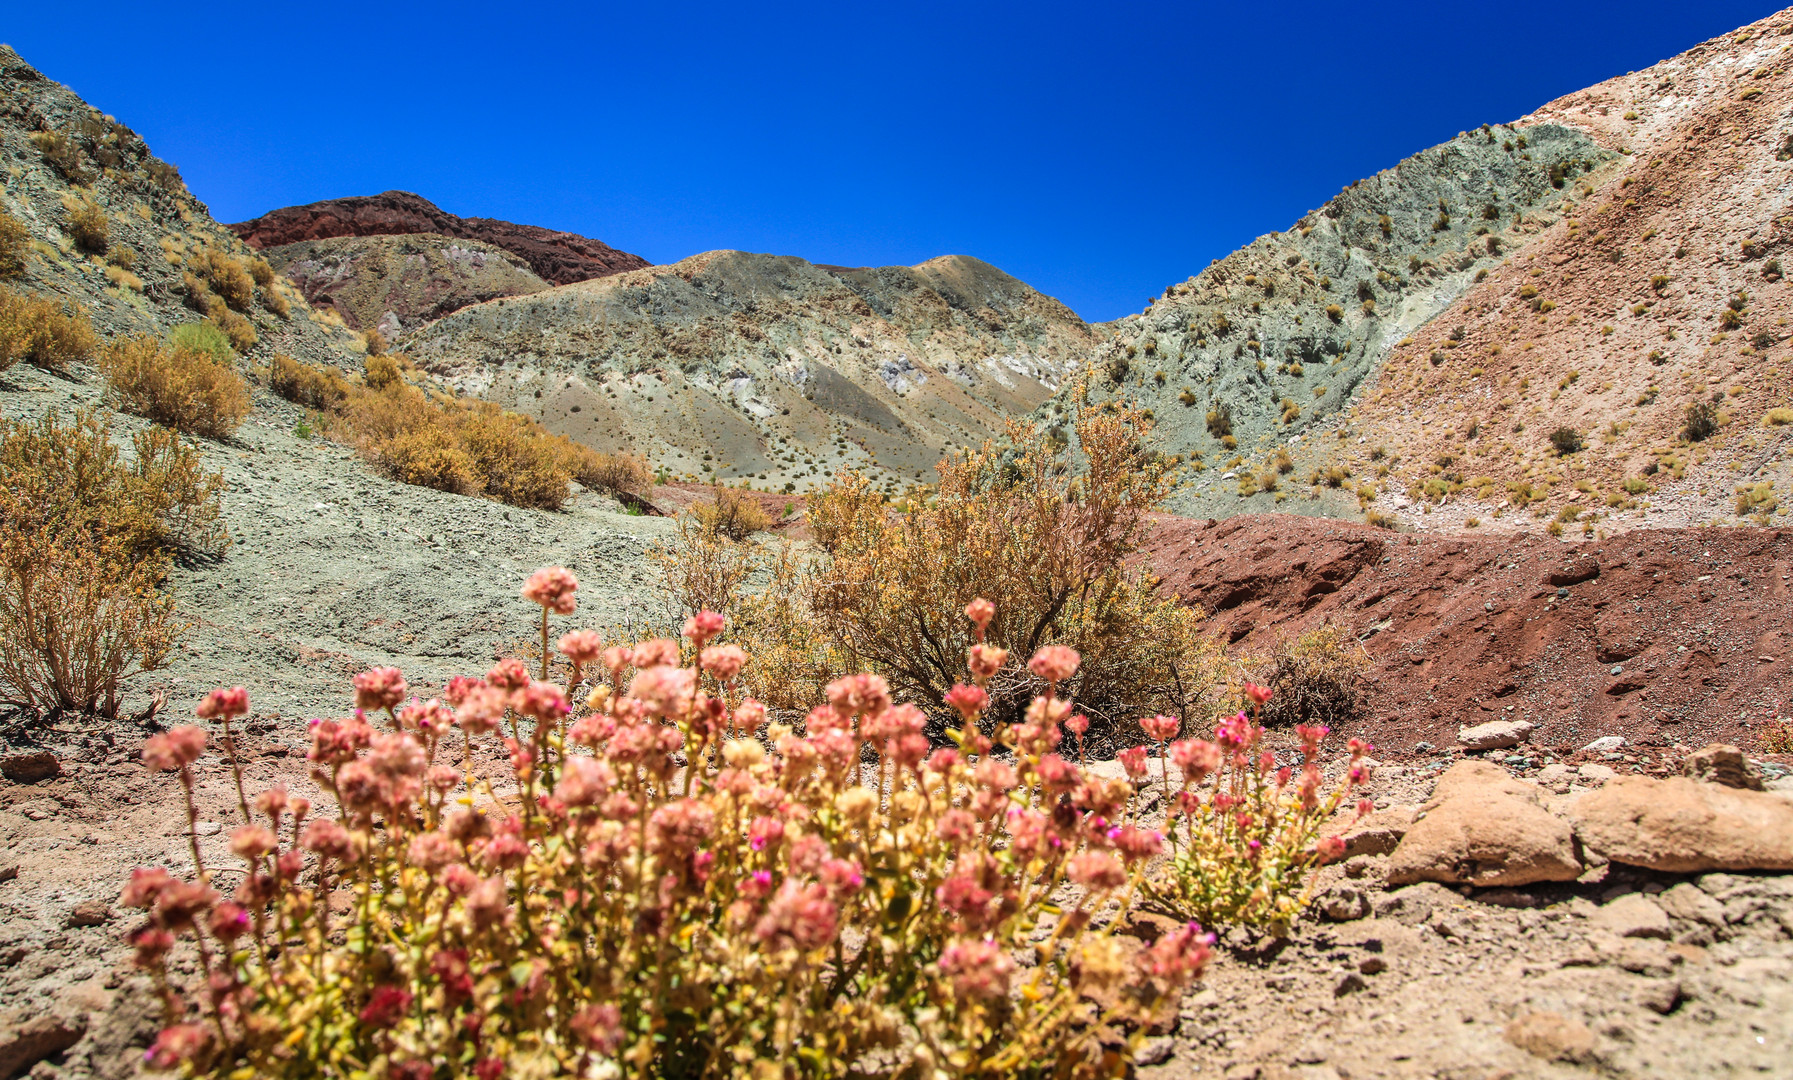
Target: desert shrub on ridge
(185, 389)
(48, 333)
(773, 909)
(15, 241)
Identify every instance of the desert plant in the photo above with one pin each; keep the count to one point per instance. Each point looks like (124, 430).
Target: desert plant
(261, 271)
(1317, 678)
(15, 241)
(186, 389)
(224, 276)
(1565, 441)
(1777, 417)
(41, 331)
(203, 337)
(733, 513)
(1699, 422)
(315, 388)
(376, 341)
(620, 474)
(770, 909)
(87, 227)
(1245, 854)
(1220, 420)
(63, 155)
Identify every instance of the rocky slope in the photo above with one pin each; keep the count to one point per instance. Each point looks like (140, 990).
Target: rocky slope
(396, 283)
(1657, 287)
(557, 257)
(63, 155)
(1279, 335)
(734, 365)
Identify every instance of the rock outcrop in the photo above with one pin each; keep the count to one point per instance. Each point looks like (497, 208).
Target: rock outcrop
(560, 258)
(1482, 827)
(398, 283)
(1683, 826)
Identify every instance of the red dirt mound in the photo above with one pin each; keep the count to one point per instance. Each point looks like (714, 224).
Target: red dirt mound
(1668, 636)
(560, 258)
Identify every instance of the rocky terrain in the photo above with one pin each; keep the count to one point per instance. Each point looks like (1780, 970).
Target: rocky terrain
(156, 229)
(559, 258)
(1572, 269)
(729, 365)
(396, 283)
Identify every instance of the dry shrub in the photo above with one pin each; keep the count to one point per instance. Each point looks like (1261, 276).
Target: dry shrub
(375, 341)
(888, 591)
(240, 331)
(1317, 679)
(224, 276)
(622, 474)
(186, 389)
(86, 547)
(704, 568)
(87, 226)
(315, 388)
(276, 302)
(15, 241)
(49, 333)
(732, 513)
(669, 887)
(64, 155)
(262, 271)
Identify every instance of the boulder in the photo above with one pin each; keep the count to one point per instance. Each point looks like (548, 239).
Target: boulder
(1632, 915)
(23, 1045)
(1483, 827)
(1553, 1037)
(1378, 833)
(1723, 764)
(30, 768)
(1683, 826)
(1495, 734)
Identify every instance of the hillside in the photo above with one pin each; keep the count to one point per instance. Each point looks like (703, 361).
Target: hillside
(396, 283)
(133, 276)
(1598, 266)
(733, 365)
(557, 257)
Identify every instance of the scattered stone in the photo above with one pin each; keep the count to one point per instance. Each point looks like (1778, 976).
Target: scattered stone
(89, 913)
(1508, 898)
(24, 1045)
(1574, 571)
(1595, 775)
(1372, 965)
(1350, 984)
(1684, 826)
(9, 867)
(1342, 903)
(1686, 901)
(30, 768)
(1155, 1051)
(1658, 995)
(1723, 764)
(1496, 734)
(1606, 744)
(1358, 867)
(1411, 906)
(1633, 915)
(1483, 827)
(1552, 1037)
(1555, 776)
(1379, 833)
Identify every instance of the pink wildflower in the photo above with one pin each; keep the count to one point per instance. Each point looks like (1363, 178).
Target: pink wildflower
(616, 658)
(543, 701)
(702, 627)
(581, 646)
(251, 842)
(181, 1042)
(1077, 725)
(223, 704)
(228, 921)
(801, 915)
(995, 775)
(841, 876)
(681, 825)
(859, 694)
(968, 700)
(552, 587)
(1197, 758)
(1161, 728)
(660, 652)
(980, 612)
(1135, 843)
(509, 673)
(459, 687)
(488, 905)
(985, 661)
(145, 884)
(1181, 954)
(1055, 663)
(943, 760)
(1096, 870)
(380, 688)
(978, 969)
(482, 710)
(329, 840)
(385, 1007)
(599, 1027)
(723, 661)
(432, 851)
(174, 749)
(1259, 695)
(666, 691)
(1133, 759)
(584, 781)
(748, 716)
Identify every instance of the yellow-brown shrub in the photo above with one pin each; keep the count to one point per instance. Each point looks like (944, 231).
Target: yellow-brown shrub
(51, 334)
(322, 389)
(1317, 678)
(87, 543)
(618, 473)
(733, 513)
(87, 227)
(15, 241)
(186, 389)
(262, 272)
(224, 276)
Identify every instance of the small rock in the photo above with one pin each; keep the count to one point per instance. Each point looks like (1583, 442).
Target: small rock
(1686, 901)
(1658, 995)
(1508, 898)
(1723, 764)
(1372, 965)
(1633, 915)
(1495, 734)
(89, 913)
(1556, 776)
(1606, 744)
(1552, 1037)
(1342, 903)
(1423, 748)
(1155, 1051)
(26, 1044)
(1358, 867)
(207, 828)
(30, 768)
(9, 867)
(1595, 775)
(1379, 833)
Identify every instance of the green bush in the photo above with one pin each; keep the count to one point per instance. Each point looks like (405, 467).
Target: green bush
(203, 337)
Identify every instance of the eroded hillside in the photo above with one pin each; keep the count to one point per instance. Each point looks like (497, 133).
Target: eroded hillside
(734, 365)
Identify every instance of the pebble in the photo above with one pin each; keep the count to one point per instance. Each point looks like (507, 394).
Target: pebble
(1154, 1051)
(1606, 744)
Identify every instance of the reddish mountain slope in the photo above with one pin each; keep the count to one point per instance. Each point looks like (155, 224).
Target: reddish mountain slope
(1663, 636)
(559, 258)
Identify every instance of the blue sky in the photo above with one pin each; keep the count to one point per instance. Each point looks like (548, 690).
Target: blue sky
(1098, 151)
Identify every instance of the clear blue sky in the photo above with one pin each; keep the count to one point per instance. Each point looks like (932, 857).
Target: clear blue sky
(1098, 151)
